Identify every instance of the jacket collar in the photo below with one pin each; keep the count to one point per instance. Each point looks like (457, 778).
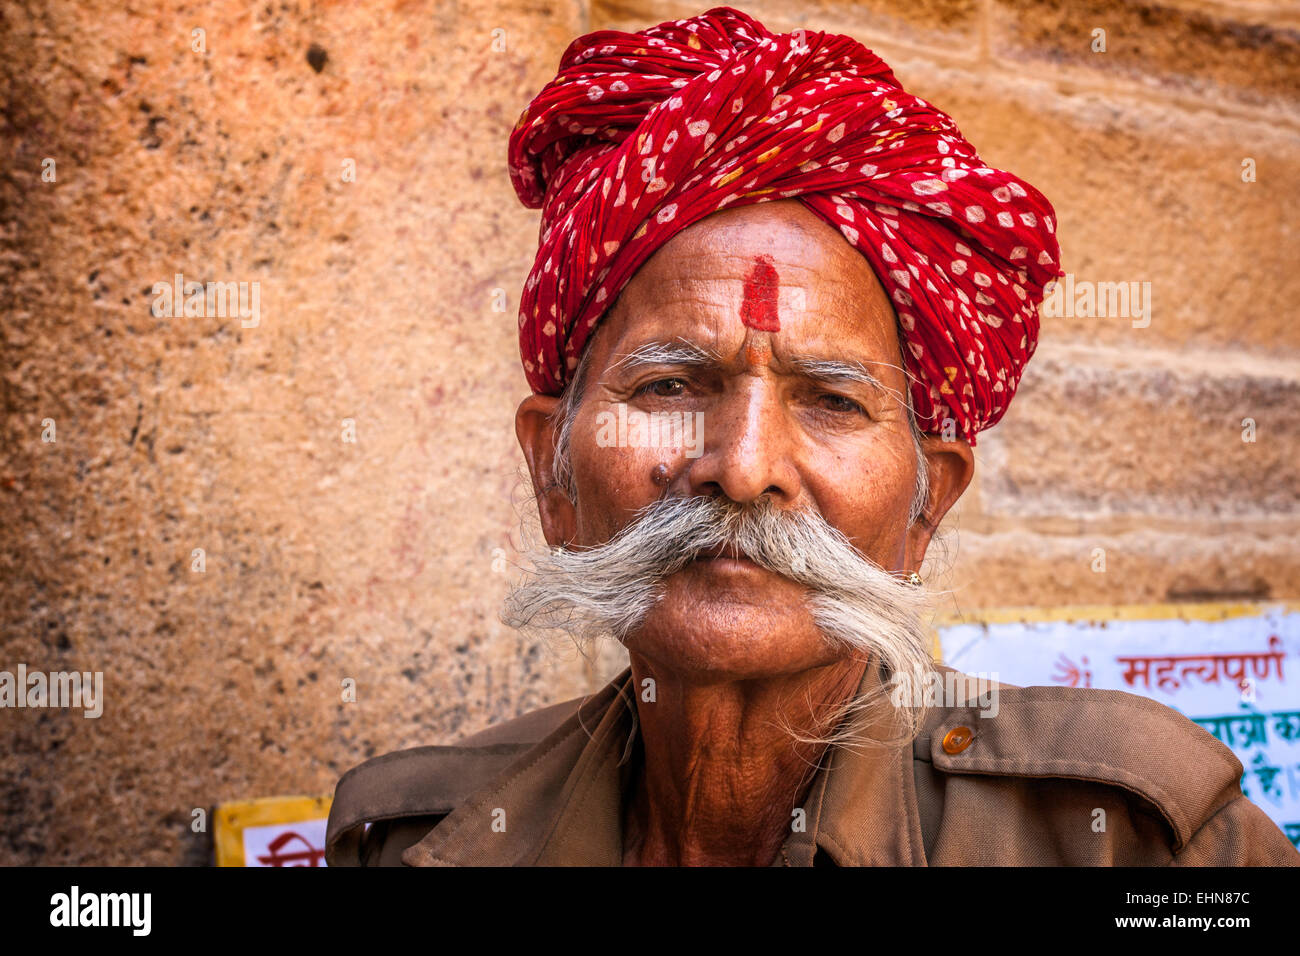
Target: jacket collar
(561, 802)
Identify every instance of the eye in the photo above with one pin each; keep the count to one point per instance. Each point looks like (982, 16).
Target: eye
(662, 388)
(840, 403)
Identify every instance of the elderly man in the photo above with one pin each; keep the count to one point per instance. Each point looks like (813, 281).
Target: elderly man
(776, 299)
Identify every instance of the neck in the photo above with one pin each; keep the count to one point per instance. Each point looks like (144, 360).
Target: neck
(721, 774)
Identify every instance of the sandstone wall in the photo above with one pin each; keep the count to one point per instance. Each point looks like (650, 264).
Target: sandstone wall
(388, 299)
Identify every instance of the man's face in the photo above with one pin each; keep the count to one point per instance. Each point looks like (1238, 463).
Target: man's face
(765, 327)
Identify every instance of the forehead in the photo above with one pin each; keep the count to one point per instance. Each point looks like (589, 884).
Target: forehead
(828, 301)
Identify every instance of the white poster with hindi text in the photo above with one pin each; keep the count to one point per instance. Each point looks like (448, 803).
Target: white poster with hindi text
(1234, 670)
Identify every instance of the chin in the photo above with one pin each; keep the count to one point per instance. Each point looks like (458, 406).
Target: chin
(712, 627)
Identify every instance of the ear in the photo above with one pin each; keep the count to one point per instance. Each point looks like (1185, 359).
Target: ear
(951, 465)
(535, 427)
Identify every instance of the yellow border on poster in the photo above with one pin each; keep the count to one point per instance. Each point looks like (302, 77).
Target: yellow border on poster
(234, 817)
(1191, 611)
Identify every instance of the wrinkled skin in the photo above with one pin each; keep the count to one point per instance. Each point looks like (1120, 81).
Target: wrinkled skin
(731, 647)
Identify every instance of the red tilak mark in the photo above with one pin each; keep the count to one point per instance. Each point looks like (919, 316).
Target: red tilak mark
(758, 310)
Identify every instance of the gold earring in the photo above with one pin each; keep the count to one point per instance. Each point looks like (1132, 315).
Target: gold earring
(914, 579)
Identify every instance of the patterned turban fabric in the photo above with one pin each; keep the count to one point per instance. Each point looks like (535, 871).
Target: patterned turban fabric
(642, 134)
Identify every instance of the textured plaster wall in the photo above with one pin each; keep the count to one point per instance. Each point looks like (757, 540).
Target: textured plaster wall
(388, 299)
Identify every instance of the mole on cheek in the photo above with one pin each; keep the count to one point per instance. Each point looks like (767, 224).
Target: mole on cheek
(758, 308)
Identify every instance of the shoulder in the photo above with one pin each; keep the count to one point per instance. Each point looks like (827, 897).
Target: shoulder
(389, 802)
(1039, 746)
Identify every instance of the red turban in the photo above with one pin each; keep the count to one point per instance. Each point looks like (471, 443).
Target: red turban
(642, 134)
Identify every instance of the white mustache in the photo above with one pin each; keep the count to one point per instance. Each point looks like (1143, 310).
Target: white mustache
(858, 607)
(607, 590)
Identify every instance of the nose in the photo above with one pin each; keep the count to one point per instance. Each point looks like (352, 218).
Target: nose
(748, 446)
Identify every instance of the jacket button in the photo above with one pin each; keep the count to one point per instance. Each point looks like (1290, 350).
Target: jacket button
(957, 740)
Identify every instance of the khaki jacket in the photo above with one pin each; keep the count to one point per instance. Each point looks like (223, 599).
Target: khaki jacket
(1024, 787)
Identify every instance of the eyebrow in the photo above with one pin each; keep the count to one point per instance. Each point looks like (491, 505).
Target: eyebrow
(834, 372)
(684, 354)
(680, 353)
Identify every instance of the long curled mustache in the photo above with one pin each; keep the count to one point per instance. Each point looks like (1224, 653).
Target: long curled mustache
(607, 590)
